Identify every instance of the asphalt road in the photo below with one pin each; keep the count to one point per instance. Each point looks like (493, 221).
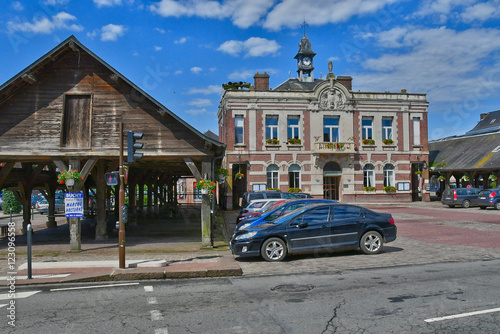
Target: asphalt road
(404, 299)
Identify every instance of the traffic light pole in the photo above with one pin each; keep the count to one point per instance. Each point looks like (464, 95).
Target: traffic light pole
(121, 202)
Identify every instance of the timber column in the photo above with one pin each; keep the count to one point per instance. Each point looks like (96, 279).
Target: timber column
(75, 227)
(206, 206)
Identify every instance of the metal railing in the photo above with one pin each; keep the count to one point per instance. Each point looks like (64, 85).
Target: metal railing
(334, 147)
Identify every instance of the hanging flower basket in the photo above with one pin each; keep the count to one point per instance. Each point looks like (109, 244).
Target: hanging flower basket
(239, 176)
(492, 177)
(221, 173)
(465, 177)
(68, 175)
(205, 186)
(441, 178)
(418, 172)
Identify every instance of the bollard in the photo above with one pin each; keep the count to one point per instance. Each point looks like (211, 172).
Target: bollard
(11, 215)
(29, 251)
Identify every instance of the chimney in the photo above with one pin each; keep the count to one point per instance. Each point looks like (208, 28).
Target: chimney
(261, 81)
(346, 81)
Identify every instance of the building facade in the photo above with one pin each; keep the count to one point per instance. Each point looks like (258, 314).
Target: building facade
(321, 136)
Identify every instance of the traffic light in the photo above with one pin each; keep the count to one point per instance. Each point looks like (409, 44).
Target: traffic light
(124, 213)
(132, 146)
(112, 178)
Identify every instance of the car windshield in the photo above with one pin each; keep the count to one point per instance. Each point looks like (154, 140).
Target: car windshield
(484, 193)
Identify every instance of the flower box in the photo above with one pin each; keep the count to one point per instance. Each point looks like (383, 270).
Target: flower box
(368, 141)
(294, 141)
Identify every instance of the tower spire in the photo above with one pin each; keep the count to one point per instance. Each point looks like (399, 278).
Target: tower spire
(304, 25)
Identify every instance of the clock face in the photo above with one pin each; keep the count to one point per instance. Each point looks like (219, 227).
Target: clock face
(306, 61)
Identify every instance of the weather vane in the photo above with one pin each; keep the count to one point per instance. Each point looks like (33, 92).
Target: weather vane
(304, 25)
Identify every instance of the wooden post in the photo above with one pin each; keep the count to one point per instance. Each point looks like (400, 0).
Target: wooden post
(206, 205)
(100, 181)
(75, 228)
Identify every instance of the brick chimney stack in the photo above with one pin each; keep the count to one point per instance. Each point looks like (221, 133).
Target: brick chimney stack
(261, 81)
(346, 81)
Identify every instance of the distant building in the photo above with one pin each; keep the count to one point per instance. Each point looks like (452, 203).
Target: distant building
(323, 137)
(470, 159)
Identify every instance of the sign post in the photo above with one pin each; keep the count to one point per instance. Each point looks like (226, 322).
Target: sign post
(121, 202)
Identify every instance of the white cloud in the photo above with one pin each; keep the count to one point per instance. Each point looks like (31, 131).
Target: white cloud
(196, 69)
(246, 75)
(242, 13)
(178, 72)
(107, 3)
(212, 89)
(44, 25)
(482, 11)
(181, 41)
(92, 34)
(16, 5)
(197, 112)
(55, 2)
(291, 13)
(111, 32)
(434, 61)
(252, 47)
(445, 7)
(158, 48)
(200, 103)
(160, 30)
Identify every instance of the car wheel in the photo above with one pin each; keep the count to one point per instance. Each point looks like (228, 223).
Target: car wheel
(451, 206)
(482, 207)
(466, 204)
(371, 243)
(497, 206)
(273, 249)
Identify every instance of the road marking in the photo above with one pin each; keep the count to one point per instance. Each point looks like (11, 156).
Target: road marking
(18, 295)
(3, 278)
(2, 305)
(156, 315)
(161, 331)
(94, 287)
(148, 288)
(462, 315)
(152, 300)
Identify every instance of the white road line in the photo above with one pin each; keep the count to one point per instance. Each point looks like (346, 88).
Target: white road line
(152, 300)
(148, 288)
(18, 295)
(156, 315)
(161, 331)
(2, 305)
(94, 287)
(462, 315)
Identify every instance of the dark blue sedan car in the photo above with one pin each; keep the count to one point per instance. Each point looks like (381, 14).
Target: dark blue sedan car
(317, 227)
(278, 210)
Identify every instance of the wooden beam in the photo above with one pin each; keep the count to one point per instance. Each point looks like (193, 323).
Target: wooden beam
(29, 78)
(192, 167)
(60, 164)
(4, 172)
(89, 165)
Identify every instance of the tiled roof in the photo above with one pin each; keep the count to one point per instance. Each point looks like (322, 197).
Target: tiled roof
(298, 86)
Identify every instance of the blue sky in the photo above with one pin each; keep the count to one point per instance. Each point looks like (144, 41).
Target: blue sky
(181, 52)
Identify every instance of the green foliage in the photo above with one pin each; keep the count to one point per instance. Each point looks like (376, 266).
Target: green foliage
(369, 188)
(368, 141)
(294, 190)
(390, 189)
(294, 141)
(10, 201)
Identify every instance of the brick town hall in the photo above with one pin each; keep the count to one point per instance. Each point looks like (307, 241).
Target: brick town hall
(323, 137)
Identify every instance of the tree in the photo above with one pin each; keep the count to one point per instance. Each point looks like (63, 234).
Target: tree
(10, 201)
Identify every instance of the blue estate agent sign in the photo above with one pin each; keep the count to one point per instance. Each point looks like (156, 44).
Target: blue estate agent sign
(73, 203)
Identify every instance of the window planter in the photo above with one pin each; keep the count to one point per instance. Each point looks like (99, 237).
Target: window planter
(368, 141)
(369, 189)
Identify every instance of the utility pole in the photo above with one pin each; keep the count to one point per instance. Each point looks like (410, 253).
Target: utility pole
(121, 202)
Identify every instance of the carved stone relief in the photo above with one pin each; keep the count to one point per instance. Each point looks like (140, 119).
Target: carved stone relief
(332, 99)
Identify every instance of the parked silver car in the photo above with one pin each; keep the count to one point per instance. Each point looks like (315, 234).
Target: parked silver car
(43, 206)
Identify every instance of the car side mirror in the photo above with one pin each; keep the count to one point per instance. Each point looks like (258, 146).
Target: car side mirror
(303, 225)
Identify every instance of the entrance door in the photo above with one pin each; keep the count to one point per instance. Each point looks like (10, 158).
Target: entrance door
(416, 182)
(331, 187)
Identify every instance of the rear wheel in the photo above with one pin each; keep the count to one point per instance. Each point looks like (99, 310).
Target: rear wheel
(273, 249)
(497, 206)
(371, 243)
(466, 204)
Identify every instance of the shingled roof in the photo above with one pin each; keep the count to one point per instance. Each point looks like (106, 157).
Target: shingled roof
(297, 86)
(478, 149)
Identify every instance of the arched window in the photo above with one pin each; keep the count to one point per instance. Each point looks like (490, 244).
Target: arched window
(368, 176)
(389, 179)
(294, 176)
(272, 176)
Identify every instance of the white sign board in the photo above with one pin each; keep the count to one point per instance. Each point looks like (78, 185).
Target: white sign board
(73, 204)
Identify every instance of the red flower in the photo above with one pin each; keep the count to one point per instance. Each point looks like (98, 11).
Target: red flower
(80, 177)
(211, 183)
(63, 172)
(61, 182)
(213, 191)
(194, 185)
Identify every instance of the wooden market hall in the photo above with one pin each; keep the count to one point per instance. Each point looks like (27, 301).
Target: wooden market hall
(64, 111)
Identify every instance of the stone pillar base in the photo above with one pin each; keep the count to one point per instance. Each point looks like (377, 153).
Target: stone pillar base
(51, 222)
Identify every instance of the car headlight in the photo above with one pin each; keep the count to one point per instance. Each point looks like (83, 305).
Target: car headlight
(245, 236)
(244, 226)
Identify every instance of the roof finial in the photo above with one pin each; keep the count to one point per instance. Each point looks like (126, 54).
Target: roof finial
(304, 25)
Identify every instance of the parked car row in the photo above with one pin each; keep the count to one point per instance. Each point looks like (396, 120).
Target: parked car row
(42, 206)
(469, 197)
(316, 227)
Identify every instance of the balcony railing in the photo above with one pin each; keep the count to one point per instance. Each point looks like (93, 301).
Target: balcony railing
(334, 147)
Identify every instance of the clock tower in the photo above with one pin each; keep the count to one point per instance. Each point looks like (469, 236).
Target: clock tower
(305, 69)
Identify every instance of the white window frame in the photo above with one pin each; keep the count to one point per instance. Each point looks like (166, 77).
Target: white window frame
(273, 129)
(293, 128)
(239, 119)
(272, 175)
(387, 130)
(368, 175)
(416, 131)
(331, 129)
(389, 176)
(367, 130)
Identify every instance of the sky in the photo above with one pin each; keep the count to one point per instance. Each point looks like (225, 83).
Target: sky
(181, 51)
